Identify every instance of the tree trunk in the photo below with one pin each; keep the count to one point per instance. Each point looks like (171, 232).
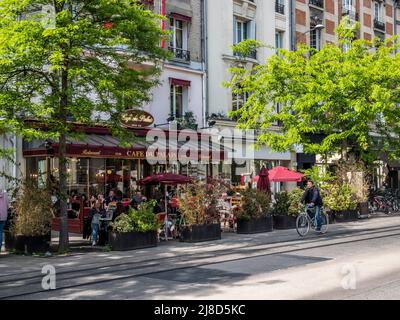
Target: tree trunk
(64, 237)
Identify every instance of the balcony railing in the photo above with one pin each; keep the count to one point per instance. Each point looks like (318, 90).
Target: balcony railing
(180, 54)
(317, 3)
(251, 55)
(279, 7)
(379, 25)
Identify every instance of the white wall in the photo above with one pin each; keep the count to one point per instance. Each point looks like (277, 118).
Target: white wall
(159, 107)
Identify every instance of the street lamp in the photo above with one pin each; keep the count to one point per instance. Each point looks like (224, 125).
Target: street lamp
(317, 27)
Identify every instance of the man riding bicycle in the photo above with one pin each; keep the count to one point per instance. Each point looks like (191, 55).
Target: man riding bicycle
(312, 197)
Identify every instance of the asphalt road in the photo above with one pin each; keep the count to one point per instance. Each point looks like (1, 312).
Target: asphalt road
(359, 260)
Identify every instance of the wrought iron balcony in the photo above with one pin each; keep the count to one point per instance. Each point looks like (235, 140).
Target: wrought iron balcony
(317, 3)
(279, 7)
(379, 25)
(180, 54)
(251, 55)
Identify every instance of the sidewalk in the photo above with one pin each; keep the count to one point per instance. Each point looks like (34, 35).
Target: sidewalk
(230, 242)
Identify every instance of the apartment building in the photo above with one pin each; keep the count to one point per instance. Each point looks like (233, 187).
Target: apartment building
(183, 76)
(229, 22)
(377, 18)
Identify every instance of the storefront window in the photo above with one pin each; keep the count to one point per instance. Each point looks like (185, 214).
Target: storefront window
(118, 175)
(97, 176)
(78, 176)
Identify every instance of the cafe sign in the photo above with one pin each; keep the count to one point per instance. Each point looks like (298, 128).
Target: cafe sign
(134, 118)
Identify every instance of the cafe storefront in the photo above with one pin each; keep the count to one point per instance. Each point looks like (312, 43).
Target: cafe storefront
(97, 164)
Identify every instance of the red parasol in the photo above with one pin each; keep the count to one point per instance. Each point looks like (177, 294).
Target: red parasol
(263, 181)
(165, 178)
(282, 174)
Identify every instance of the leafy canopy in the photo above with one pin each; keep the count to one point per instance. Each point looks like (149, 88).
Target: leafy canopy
(74, 60)
(349, 97)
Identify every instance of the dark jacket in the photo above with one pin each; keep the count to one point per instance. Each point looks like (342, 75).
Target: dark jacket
(312, 195)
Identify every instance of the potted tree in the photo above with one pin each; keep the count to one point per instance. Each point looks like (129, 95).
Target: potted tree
(200, 217)
(30, 227)
(254, 215)
(135, 229)
(285, 209)
(341, 201)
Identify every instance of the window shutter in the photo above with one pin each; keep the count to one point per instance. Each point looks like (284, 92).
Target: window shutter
(234, 30)
(251, 30)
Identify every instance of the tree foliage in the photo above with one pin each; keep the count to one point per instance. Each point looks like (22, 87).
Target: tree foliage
(350, 97)
(65, 61)
(71, 44)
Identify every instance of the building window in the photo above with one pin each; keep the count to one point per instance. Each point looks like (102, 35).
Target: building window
(238, 100)
(315, 39)
(241, 31)
(280, 6)
(178, 98)
(378, 11)
(179, 39)
(277, 110)
(244, 30)
(348, 4)
(278, 40)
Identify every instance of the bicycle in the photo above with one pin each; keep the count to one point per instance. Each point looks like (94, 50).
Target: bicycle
(304, 221)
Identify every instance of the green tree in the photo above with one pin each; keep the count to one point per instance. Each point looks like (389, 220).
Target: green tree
(73, 61)
(349, 97)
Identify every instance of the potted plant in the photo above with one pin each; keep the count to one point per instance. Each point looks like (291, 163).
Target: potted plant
(286, 209)
(188, 121)
(254, 214)
(30, 227)
(200, 217)
(135, 229)
(341, 201)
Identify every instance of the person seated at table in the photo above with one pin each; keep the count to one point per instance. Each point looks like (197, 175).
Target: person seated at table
(101, 199)
(158, 208)
(111, 197)
(138, 198)
(118, 195)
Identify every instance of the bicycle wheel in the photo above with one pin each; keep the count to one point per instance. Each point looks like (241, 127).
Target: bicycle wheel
(302, 225)
(325, 223)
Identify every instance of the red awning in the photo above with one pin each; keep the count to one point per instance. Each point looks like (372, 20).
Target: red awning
(282, 174)
(179, 16)
(179, 82)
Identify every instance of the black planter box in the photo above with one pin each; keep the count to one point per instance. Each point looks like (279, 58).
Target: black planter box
(255, 225)
(363, 208)
(132, 240)
(27, 244)
(345, 215)
(199, 233)
(284, 222)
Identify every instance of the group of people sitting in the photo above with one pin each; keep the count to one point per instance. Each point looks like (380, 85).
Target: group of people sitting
(103, 210)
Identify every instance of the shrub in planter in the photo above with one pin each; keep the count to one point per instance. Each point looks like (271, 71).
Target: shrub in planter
(199, 212)
(135, 229)
(286, 208)
(254, 214)
(30, 227)
(341, 201)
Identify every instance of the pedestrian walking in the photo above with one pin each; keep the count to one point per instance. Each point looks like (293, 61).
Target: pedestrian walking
(4, 203)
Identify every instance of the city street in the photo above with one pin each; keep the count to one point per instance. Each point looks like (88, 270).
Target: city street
(355, 260)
